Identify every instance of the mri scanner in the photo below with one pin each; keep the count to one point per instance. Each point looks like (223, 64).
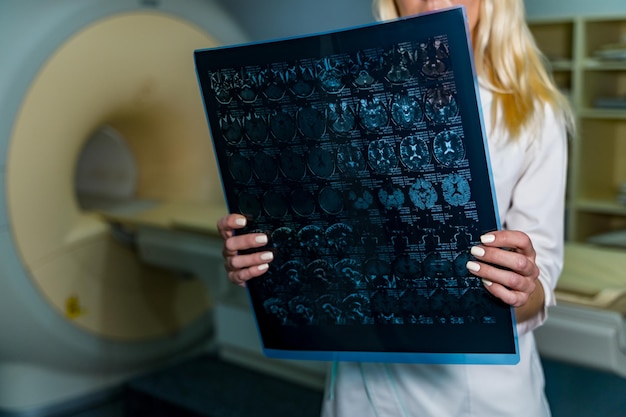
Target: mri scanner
(109, 264)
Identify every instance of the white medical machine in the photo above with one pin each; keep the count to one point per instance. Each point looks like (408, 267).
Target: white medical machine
(101, 119)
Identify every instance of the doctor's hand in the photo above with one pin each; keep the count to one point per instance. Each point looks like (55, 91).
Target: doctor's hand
(506, 263)
(241, 268)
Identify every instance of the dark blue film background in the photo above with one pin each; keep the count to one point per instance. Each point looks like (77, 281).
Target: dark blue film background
(361, 154)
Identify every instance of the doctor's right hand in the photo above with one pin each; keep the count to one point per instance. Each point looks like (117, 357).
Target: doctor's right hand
(242, 267)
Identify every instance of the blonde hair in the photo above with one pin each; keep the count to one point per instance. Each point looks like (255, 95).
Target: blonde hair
(509, 63)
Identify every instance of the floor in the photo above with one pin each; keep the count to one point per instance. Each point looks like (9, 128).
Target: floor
(572, 392)
(581, 392)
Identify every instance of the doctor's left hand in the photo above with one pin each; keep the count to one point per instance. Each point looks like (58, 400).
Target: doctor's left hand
(242, 267)
(505, 261)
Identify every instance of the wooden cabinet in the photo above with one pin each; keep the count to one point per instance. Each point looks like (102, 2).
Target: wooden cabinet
(587, 57)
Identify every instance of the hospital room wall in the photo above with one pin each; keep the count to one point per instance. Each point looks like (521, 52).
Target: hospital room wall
(270, 19)
(569, 8)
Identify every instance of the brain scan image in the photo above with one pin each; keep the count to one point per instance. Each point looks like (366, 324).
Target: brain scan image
(301, 310)
(384, 306)
(373, 114)
(282, 126)
(255, 127)
(348, 272)
(377, 270)
(331, 76)
(459, 264)
(414, 153)
(321, 162)
(376, 267)
(463, 237)
(350, 159)
(274, 84)
(240, 168)
(423, 194)
(356, 309)
(275, 204)
(319, 273)
(277, 310)
(292, 165)
(291, 274)
(435, 266)
(381, 156)
(302, 202)
(265, 167)
(312, 238)
(340, 117)
(330, 200)
(414, 307)
(364, 79)
(231, 129)
(328, 309)
(340, 237)
(391, 197)
(399, 62)
(360, 198)
(248, 86)
(441, 306)
(363, 70)
(311, 122)
(284, 240)
(431, 240)
(456, 190)
(406, 268)
(440, 105)
(249, 205)
(434, 55)
(448, 148)
(223, 86)
(405, 111)
(301, 80)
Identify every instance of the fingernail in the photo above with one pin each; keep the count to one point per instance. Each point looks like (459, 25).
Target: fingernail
(263, 267)
(241, 221)
(477, 251)
(487, 282)
(487, 238)
(261, 239)
(267, 256)
(472, 266)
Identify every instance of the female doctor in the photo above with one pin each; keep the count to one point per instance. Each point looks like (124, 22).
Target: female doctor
(527, 120)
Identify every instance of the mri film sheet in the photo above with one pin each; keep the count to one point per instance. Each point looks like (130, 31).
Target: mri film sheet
(361, 154)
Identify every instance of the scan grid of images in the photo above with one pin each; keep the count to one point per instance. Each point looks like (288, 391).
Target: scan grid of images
(356, 165)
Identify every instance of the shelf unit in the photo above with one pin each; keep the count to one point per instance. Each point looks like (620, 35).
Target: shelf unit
(598, 152)
(587, 325)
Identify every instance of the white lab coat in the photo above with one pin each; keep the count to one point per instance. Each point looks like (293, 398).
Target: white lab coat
(529, 177)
